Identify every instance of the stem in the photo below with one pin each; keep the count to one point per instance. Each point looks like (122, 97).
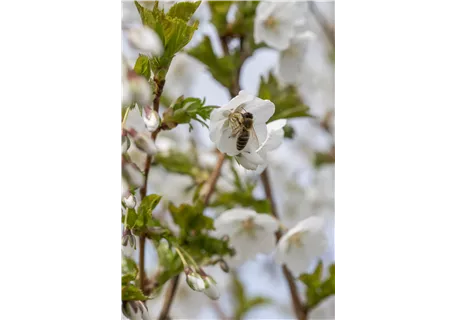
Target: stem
(124, 120)
(212, 181)
(143, 190)
(300, 309)
(170, 293)
(181, 255)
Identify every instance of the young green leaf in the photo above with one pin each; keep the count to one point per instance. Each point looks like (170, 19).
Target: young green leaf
(288, 103)
(183, 10)
(142, 66)
(130, 293)
(190, 218)
(185, 110)
(318, 290)
(222, 69)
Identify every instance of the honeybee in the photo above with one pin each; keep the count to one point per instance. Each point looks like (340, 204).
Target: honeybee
(241, 124)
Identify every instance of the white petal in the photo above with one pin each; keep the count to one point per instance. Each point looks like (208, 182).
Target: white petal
(218, 114)
(215, 130)
(226, 143)
(290, 68)
(226, 223)
(269, 223)
(252, 157)
(242, 97)
(246, 163)
(261, 109)
(265, 9)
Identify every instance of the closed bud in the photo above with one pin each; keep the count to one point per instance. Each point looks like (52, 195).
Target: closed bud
(130, 201)
(145, 143)
(151, 119)
(135, 310)
(194, 280)
(224, 266)
(211, 288)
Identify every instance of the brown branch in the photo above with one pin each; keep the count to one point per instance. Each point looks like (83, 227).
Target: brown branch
(159, 84)
(300, 309)
(170, 294)
(328, 29)
(212, 181)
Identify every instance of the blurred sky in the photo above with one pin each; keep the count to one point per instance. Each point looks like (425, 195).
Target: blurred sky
(263, 277)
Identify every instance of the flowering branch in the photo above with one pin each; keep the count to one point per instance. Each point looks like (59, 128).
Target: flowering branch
(299, 308)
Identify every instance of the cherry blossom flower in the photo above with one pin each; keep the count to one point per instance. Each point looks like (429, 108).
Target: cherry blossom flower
(273, 140)
(151, 119)
(291, 60)
(275, 23)
(249, 232)
(221, 130)
(130, 201)
(144, 39)
(301, 244)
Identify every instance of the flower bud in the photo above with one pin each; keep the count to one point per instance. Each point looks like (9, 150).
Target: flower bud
(130, 201)
(224, 266)
(211, 288)
(145, 143)
(151, 119)
(135, 310)
(194, 280)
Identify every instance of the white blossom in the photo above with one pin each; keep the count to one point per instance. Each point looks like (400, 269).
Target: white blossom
(291, 60)
(301, 244)
(273, 140)
(195, 281)
(135, 88)
(130, 201)
(151, 119)
(275, 23)
(144, 39)
(221, 130)
(145, 143)
(250, 233)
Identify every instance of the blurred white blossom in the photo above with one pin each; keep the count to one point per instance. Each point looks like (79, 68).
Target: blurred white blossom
(250, 233)
(145, 143)
(301, 244)
(145, 40)
(130, 201)
(275, 23)
(211, 289)
(291, 59)
(151, 119)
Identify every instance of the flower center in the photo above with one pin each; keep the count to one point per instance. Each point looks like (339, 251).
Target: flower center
(270, 22)
(295, 240)
(248, 224)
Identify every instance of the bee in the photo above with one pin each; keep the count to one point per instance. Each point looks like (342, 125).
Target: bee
(241, 124)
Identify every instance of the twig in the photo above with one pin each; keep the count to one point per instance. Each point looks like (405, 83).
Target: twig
(300, 309)
(326, 26)
(170, 294)
(212, 181)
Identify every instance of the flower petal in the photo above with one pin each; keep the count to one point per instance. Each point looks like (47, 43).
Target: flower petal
(242, 97)
(269, 223)
(261, 109)
(246, 163)
(215, 130)
(227, 144)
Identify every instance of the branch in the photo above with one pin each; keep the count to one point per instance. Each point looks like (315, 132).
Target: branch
(170, 294)
(212, 181)
(328, 29)
(159, 84)
(300, 309)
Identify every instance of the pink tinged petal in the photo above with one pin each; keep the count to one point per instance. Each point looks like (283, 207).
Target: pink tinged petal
(261, 109)
(227, 144)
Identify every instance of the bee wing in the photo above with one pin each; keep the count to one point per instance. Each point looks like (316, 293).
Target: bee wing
(255, 138)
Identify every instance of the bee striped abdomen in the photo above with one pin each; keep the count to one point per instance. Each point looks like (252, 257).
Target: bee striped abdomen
(242, 140)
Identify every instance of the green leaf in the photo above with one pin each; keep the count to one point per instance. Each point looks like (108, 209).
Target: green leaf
(203, 246)
(176, 162)
(131, 218)
(130, 292)
(222, 69)
(144, 217)
(318, 290)
(288, 103)
(173, 30)
(127, 278)
(185, 110)
(190, 218)
(183, 10)
(129, 266)
(255, 302)
(245, 199)
(142, 66)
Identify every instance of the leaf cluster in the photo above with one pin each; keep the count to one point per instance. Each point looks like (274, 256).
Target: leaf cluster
(317, 288)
